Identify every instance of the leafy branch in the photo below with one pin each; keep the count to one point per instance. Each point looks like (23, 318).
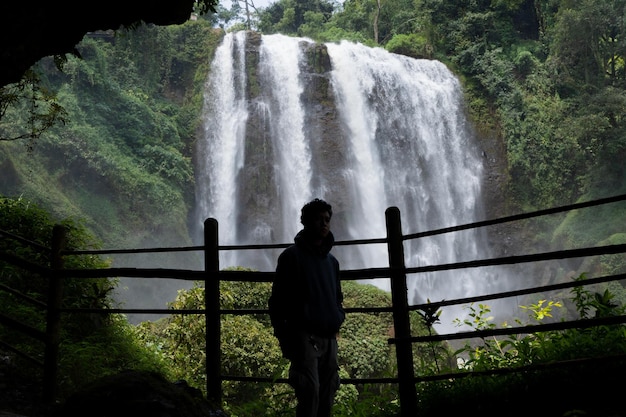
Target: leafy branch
(28, 97)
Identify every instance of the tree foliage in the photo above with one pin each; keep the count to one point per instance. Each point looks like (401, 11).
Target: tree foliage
(250, 349)
(547, 77)
(560, 390)
(131, 103)
(84, 336)
(28, 109)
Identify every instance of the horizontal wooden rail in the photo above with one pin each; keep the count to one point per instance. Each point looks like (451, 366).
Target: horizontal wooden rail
(517, 217)
(34, 245)
(518, 259)
(534, 328)
(24, 264)
(24, 297)
(354, 381)
(21, 354)
(396, 273)
(515, 293)
(23, 328)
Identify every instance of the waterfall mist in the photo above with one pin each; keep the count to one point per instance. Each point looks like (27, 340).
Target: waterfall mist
(398, 137)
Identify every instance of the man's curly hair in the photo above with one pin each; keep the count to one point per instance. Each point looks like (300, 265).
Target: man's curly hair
(311, 209)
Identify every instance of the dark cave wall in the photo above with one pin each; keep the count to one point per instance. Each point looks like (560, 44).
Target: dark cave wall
(31, 30)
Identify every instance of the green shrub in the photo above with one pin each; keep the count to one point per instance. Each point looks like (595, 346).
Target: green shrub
(91, 345)
(414, 45)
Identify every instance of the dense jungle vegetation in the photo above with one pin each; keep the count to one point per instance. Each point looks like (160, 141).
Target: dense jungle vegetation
(546, 79)
(105, 146)
(95, 345)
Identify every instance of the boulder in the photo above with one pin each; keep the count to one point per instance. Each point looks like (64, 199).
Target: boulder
(138, 393)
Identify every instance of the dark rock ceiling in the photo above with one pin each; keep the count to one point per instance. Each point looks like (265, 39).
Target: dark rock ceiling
(33, 29)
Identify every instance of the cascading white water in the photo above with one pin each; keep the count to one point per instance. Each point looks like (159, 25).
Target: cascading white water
(223, 135)
(408, 145)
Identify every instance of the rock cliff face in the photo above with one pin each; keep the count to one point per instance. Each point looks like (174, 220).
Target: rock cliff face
(328, 150)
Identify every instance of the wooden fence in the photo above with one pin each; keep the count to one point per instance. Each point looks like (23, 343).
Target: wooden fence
(212, 275)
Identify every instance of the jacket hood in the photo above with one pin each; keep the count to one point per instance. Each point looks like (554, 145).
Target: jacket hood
(303, 239)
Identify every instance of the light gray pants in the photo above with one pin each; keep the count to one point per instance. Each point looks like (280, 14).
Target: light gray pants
(314, 375)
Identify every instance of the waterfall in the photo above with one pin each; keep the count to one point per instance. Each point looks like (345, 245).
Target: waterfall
(399, 138)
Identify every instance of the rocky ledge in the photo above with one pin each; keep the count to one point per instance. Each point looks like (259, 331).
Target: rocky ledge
(127, 393)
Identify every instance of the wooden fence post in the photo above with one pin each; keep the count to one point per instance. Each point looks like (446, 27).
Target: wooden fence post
(53, 316)
(212, 312)
(400, 305)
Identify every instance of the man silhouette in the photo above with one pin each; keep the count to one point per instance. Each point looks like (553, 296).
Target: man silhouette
(306, 311)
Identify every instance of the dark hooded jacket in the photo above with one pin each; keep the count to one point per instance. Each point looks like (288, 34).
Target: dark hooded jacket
(306, 294)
